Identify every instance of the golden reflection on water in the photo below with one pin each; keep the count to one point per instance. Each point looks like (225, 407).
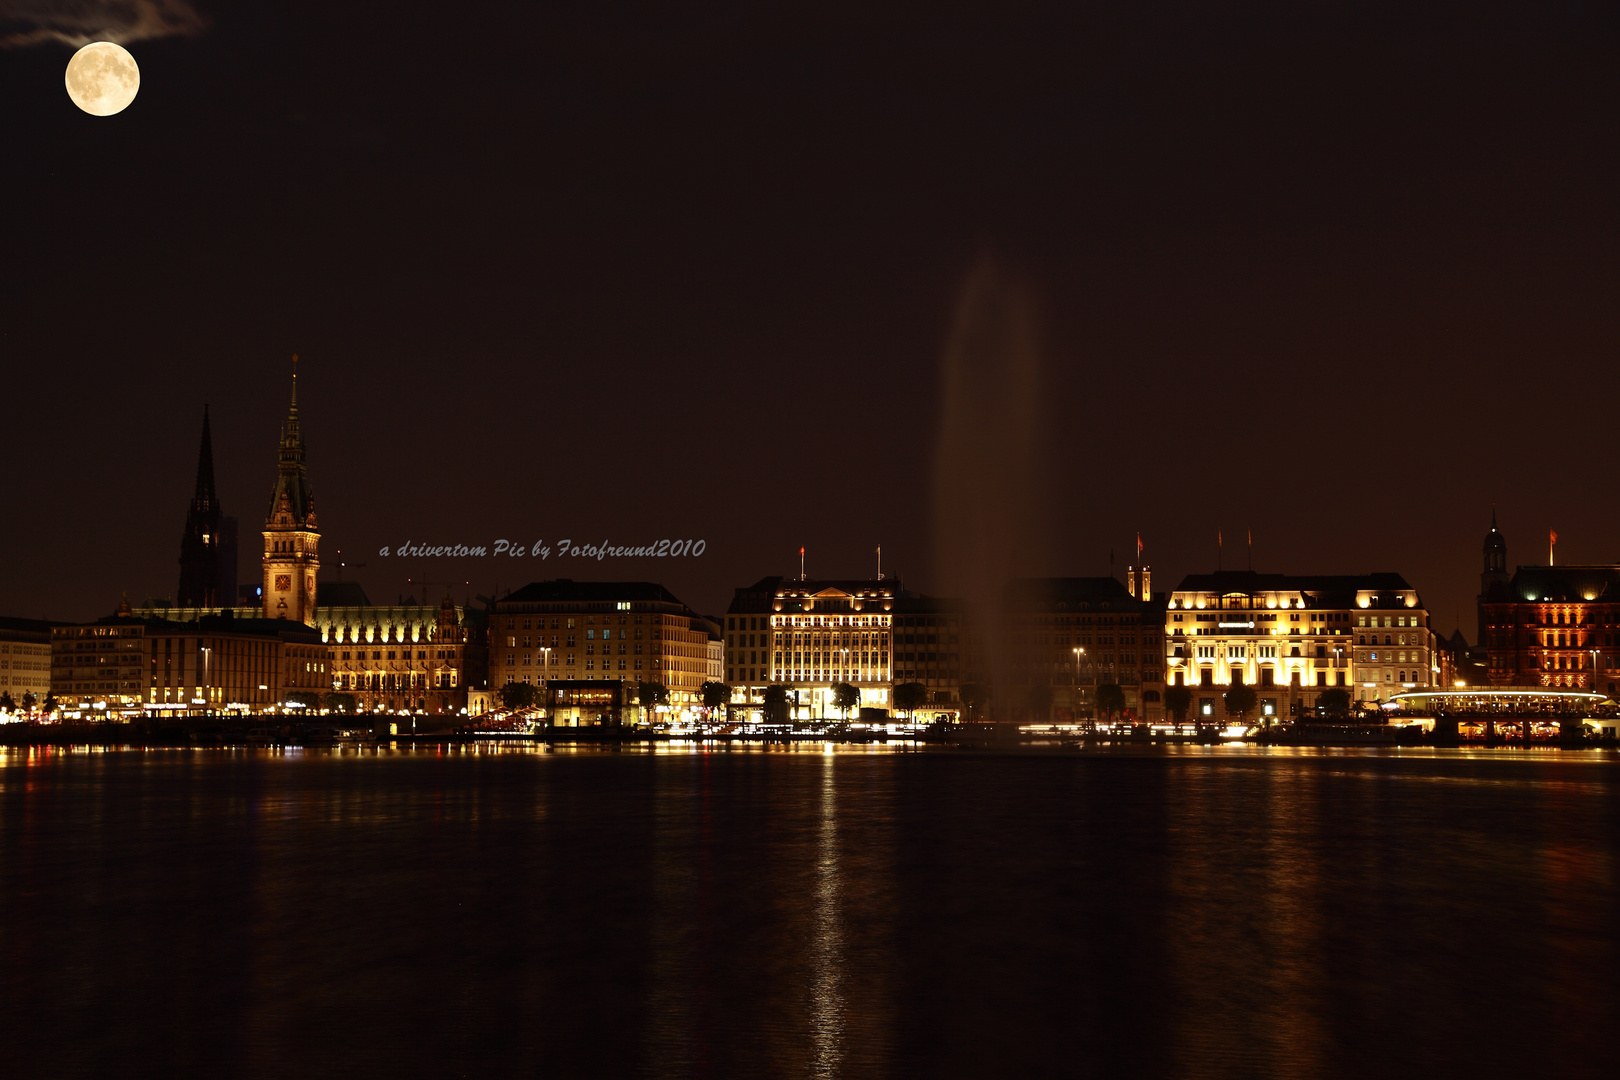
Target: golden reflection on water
(1291, 905)
(827, 937)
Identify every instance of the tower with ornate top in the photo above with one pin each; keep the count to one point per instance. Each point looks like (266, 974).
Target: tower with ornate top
(291, 533)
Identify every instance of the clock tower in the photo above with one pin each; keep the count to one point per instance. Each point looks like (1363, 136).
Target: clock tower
(291, 534)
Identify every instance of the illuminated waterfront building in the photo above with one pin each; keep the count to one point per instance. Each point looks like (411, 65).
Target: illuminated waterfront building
(125, 663)
(596, 631)
(1291, 637)
(408, 656)
(25, 658)
(1554, 626)
(716, 649)
(810, 635)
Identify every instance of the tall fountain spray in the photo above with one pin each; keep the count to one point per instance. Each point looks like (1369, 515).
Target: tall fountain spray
(987, 475)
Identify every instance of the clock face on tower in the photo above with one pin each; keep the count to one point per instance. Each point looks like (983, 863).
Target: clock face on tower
(309, 583)
(283, 582)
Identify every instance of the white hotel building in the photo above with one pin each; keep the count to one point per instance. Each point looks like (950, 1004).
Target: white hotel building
(1291, 637)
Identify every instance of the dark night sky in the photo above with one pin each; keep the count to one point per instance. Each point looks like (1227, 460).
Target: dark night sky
(1342, 273)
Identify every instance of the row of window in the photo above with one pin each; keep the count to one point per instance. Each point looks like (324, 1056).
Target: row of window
(412, 681)
(405, 654)
(1390, 676)
(382, 634)
(562, 623)
(1206, 677)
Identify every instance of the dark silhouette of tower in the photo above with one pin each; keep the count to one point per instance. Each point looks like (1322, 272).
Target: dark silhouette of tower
(200, 546)
(1495, 573)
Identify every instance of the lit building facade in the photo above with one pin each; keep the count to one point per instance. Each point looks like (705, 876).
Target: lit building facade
(1291, 637)
(822, 633)
(597, 631)
(716, 653)
(25, 659)
(1555, 626)
(409, 656)
(218, 662)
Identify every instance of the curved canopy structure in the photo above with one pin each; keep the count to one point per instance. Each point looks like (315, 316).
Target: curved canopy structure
(1505, 700)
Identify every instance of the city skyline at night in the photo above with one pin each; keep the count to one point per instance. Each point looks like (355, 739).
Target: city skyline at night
(590, 300)
(836, 539)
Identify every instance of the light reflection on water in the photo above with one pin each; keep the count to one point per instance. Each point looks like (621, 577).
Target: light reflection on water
(809, 910)
(827, 950)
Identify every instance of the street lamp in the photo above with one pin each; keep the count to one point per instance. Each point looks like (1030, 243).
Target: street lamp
(1079, 656)
(208, 693)
(545, 677)
(1074, 685)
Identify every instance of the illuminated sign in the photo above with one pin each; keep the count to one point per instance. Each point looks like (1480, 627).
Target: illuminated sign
(1245, 625)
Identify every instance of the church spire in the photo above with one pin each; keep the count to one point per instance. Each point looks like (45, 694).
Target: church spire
(204, 495)
(199, 546)
(291, 482)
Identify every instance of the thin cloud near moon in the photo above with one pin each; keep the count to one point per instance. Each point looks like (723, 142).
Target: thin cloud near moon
(79, 22)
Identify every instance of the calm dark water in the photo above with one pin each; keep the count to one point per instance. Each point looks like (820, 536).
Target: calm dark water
(799, 913)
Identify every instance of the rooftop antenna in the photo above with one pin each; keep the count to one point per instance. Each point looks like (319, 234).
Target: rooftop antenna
(801, 562)
(1552, 540)
(880, 562)
(1218, 547)
(1251, 549)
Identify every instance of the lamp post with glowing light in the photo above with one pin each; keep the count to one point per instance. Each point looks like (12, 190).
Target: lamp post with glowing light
(208, 693)
(545, 678)
(1074, 691)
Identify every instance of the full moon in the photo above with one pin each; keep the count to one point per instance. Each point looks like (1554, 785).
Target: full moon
(102, 78)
